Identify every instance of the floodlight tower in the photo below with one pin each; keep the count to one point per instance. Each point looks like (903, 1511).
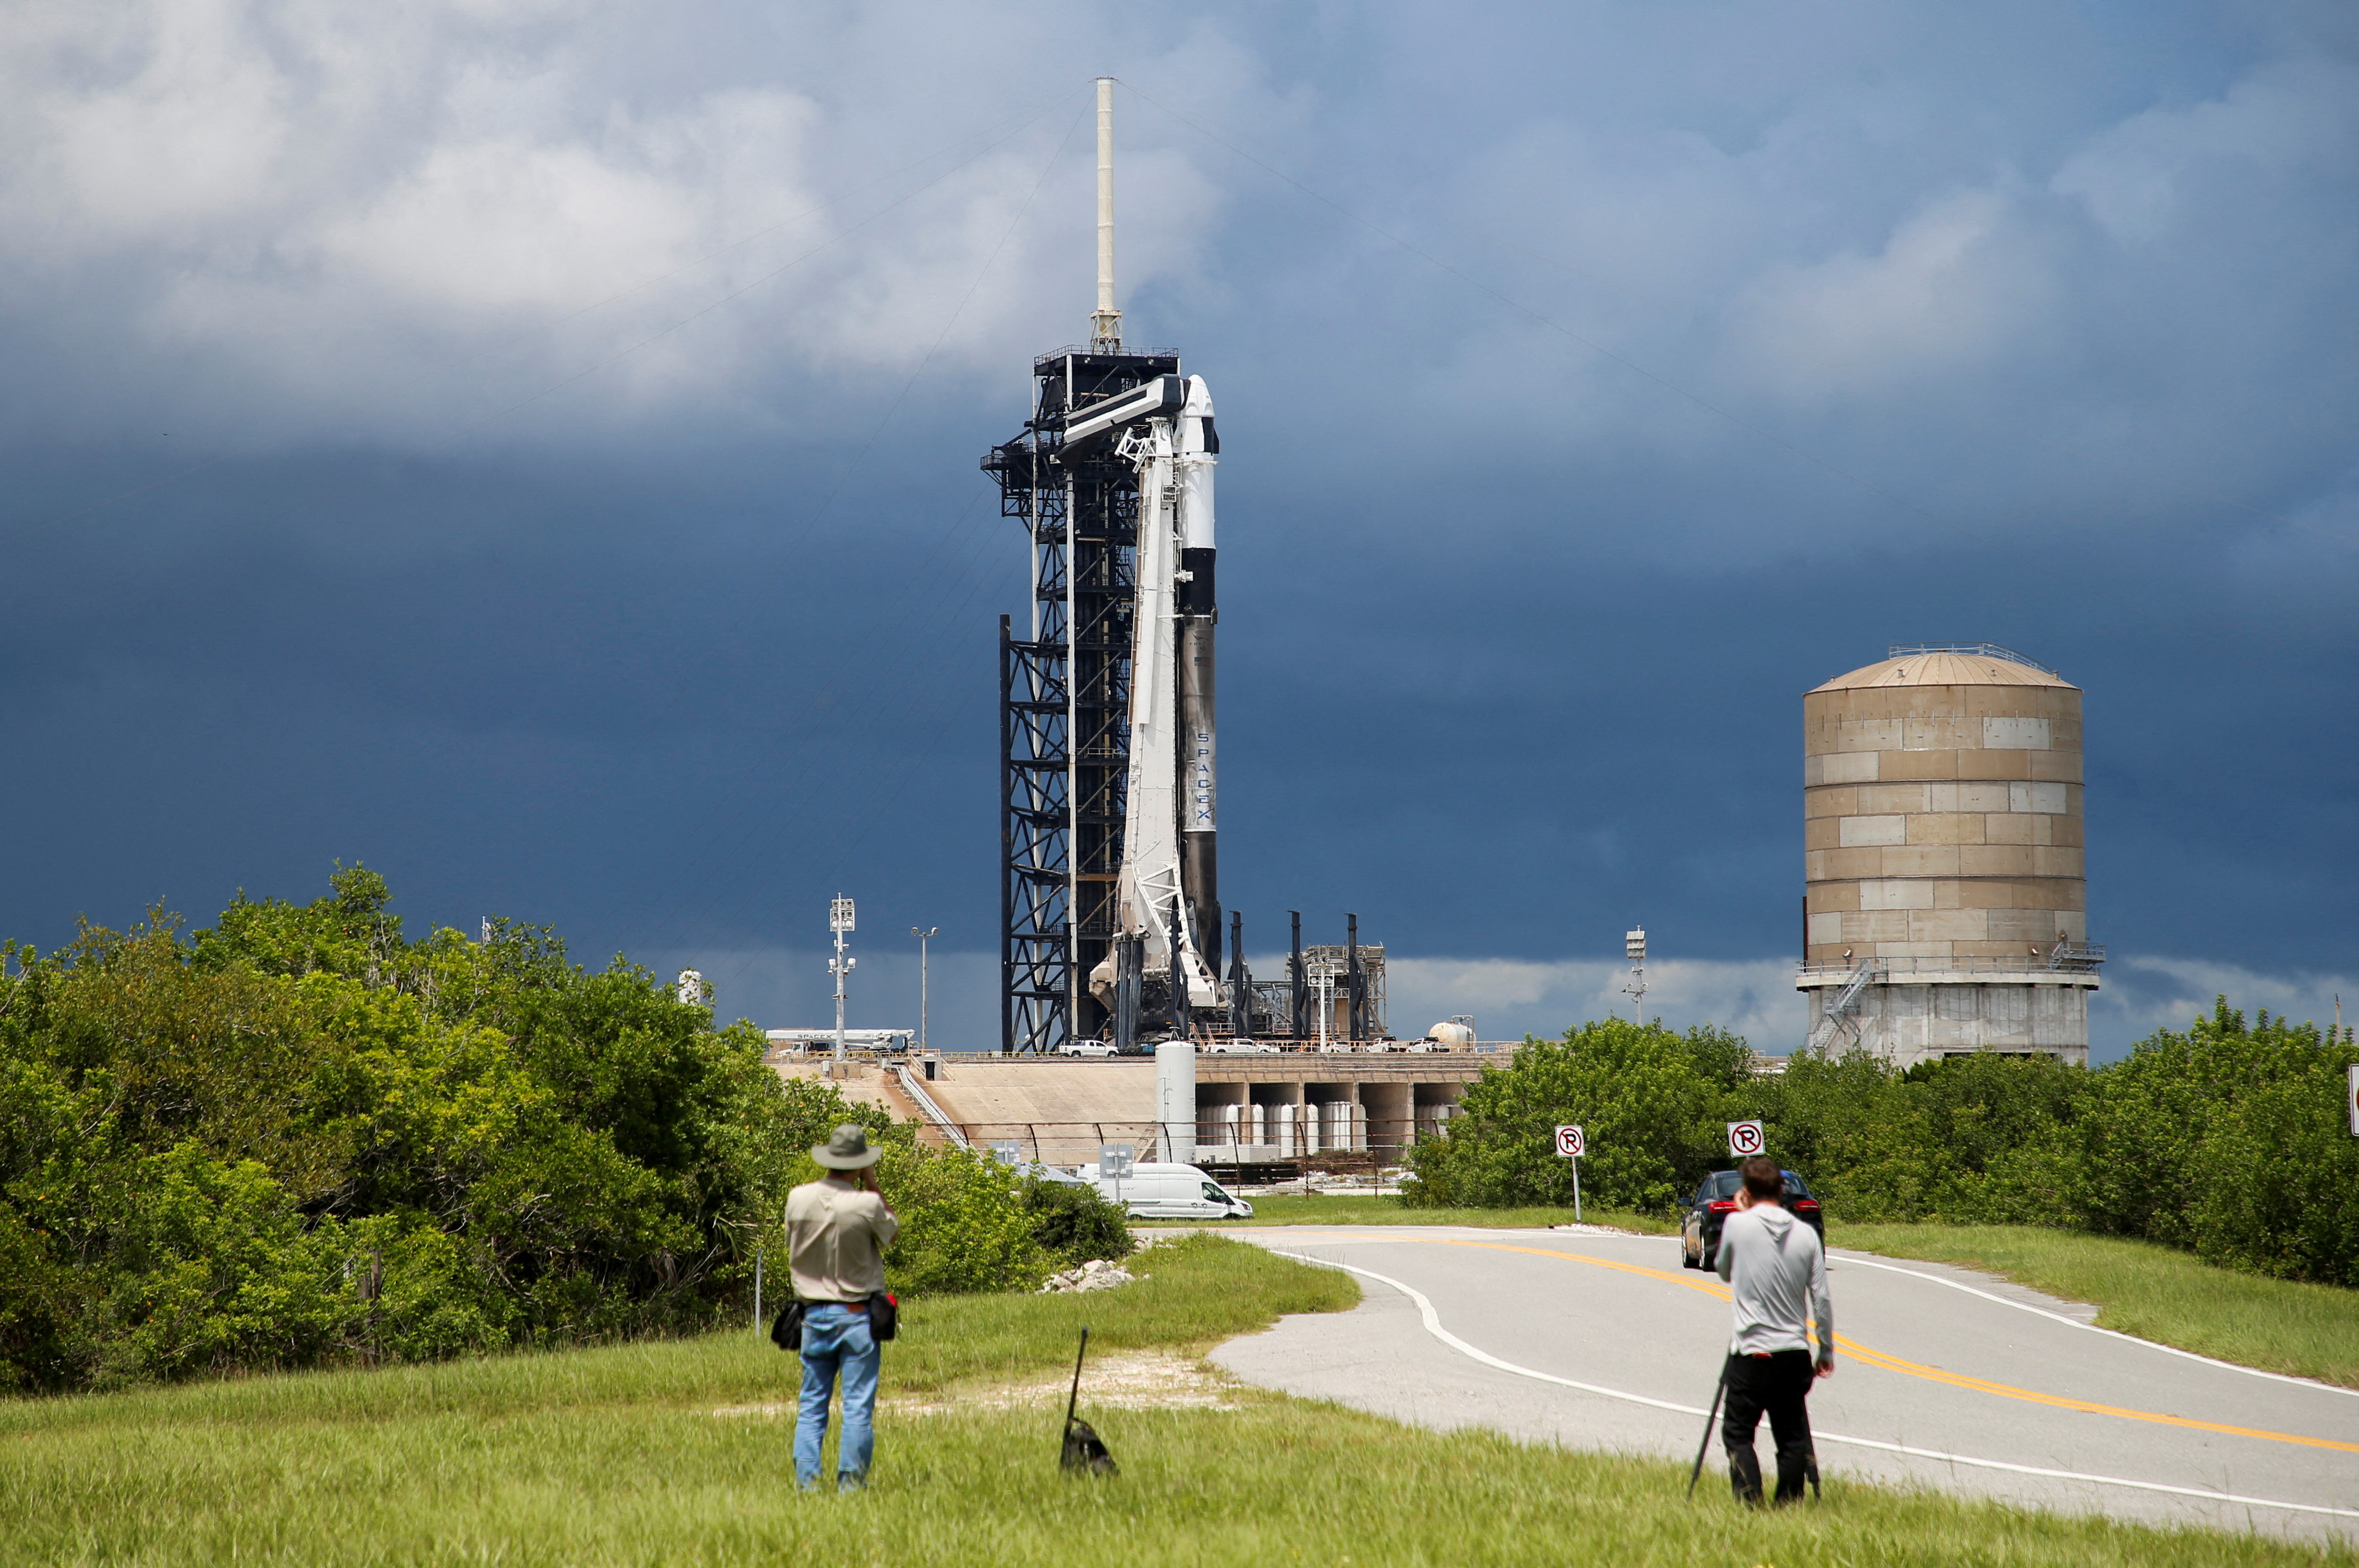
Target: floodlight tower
(924, 934)
(1111, 689)
(1634, 943)
(838, 921)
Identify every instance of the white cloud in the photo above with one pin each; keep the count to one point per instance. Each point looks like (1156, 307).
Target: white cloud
(314, 202)
(1961, 284)
(2144, 994)
(1510, 998)
(2151, 175)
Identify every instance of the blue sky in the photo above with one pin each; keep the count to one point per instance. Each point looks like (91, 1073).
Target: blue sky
(531, 449)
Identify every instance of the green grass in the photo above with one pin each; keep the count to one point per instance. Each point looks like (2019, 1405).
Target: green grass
(614, 1456)
(1319, 1209)
(2155, 1293)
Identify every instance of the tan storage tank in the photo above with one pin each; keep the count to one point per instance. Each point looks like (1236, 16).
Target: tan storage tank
(1946, 898)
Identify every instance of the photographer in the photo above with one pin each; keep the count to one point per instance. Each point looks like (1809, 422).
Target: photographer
(837, 1230)
(1776, 1272)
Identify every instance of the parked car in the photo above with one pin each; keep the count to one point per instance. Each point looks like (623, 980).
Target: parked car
(1716, 1200)
(1237, 1048)
(1167, 1191)
(1085, 1048)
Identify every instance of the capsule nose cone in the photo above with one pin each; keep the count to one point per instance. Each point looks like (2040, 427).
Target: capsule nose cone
(1200, 399)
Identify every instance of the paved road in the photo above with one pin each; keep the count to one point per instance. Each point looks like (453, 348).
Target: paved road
(1944, 1378)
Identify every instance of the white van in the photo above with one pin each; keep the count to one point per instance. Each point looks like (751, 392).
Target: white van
(1167, 1191)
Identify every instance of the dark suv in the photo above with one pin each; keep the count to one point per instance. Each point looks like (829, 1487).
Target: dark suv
(1716, 1200)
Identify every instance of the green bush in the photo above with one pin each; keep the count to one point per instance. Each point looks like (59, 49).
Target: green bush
(299, 1139)
(2228, 1140)
(964, 1227)
(1652, 1104)
(1075, 1224)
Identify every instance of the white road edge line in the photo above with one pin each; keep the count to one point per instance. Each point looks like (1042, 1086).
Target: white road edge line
(1433, 1327)
(1848, 1256)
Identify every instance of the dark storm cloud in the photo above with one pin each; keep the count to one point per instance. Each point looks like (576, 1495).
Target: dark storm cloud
(1701, 354)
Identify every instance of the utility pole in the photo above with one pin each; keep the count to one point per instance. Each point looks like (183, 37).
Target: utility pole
(1634, 943)
(923, 937)
(838, 921)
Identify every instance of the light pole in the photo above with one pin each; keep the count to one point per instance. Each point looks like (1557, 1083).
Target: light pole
(1634, 943)
(838, 921)
(923, 937)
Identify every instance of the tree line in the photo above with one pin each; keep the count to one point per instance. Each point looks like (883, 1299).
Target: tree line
(2228, 1139)
(298, 1139)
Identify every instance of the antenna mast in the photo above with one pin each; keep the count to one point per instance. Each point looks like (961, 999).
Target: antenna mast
(1106, 321)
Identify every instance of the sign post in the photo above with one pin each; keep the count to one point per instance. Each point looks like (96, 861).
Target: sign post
(1569, 1145)
(1745, 1138)
(1115, 1160)
(2354, 1100)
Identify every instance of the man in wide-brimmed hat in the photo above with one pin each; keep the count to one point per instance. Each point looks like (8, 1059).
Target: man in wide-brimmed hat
(837, 1230)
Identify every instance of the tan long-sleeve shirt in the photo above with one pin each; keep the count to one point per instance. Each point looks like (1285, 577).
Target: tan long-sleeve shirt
(836, 1237)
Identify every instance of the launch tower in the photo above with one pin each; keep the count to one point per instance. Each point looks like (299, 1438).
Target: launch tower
(1109, 901)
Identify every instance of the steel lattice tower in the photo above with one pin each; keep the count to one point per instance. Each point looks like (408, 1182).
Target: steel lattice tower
(1064, 698)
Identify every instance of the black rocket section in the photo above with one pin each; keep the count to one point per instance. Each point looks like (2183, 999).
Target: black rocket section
(1198, 605)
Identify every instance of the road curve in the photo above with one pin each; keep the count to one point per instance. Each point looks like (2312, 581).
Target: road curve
(1599, 1340)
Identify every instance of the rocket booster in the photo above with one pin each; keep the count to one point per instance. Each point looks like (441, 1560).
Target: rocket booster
(1196, 456)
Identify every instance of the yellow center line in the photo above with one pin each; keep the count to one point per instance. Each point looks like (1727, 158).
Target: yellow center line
(1870, 1356)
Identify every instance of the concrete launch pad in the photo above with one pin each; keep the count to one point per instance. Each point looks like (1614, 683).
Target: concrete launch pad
(1262, 1109)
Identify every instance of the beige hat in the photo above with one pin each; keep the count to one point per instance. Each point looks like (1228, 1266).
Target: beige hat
(847, 1148)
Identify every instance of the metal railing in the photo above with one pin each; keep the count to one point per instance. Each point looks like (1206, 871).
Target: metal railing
(934, 1113)
(1426, 1051)
(2065, 957)
(1303, 1143)
(1983, 650)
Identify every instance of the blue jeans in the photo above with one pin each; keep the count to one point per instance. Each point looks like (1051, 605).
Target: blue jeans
(836, 1339)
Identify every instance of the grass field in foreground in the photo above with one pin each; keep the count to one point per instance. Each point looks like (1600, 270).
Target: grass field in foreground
(616, 1456)
(2155, 1293)
(1319, 1209)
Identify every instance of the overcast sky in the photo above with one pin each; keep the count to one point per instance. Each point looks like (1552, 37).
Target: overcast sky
(530, 448)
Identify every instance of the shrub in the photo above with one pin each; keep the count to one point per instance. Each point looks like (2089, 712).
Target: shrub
(963, 1222)
(1652, 1103)
(1074, 1223)
(2228, 1140)
(298, 1138)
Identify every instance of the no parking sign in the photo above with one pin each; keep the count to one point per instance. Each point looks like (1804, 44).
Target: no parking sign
(1745, 1138)
(1571, 1145)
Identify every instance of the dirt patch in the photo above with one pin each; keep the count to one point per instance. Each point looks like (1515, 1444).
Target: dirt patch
(1138, 1379)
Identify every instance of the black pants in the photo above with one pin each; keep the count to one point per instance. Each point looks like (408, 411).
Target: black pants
(1775, 1384)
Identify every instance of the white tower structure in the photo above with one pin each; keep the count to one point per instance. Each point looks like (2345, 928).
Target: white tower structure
(1106, 321)
(1633, 946)
(840, 923)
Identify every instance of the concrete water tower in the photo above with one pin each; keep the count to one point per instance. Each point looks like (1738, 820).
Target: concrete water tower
(1946, 904)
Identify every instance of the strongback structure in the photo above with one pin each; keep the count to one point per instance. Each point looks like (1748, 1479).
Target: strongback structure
(1946, 903)
(1065, 698)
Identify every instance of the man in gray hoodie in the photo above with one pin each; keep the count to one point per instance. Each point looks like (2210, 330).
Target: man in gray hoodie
(1776, 1272)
